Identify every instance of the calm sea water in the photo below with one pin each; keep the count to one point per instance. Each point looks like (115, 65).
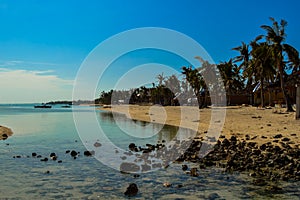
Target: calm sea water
(53, 130)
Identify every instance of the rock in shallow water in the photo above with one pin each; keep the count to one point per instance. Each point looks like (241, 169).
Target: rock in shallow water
(129, 167)
(131, 190)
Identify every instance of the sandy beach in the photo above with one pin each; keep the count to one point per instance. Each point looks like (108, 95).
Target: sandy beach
(5, 132)
(259, 125)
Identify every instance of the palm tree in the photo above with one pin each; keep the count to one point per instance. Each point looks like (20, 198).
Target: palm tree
(263, 64)
(244, 58)
(161, 78)
(196, 81)
(275, 37)
(230, 74)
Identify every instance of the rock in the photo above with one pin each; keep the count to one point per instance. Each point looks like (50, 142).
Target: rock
(53, 158)
(129, 167)
(233, 138)
(97, 144)
(146, 168)
(264, 137)
(273, 188)
(277, 136)
(33, 154)
(259, 182)
(285, 139)
(44, 159)
(68, 151)
(194, 172)
(52, 154)
(60, 161)
(213, 196)
(132, 146)
(167, 184)
(184, 167)
(4, 136)
(73, 153)
(136, 175)
(131, 190)
(87, 153)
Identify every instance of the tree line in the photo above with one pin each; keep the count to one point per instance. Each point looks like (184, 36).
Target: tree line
(265, 61)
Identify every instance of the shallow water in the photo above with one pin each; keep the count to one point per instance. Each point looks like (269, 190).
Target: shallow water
(53, 130)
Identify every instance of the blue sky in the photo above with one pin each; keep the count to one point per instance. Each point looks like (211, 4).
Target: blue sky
(43, 43)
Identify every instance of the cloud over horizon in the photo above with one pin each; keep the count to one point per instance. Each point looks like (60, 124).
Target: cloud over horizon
(27, 86)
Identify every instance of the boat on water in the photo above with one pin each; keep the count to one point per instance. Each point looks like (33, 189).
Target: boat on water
(43, 106)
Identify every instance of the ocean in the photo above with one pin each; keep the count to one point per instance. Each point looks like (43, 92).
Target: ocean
(46, 131)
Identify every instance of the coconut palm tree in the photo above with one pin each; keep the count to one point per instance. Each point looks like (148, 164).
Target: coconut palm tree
(263, 64)
(275, 36)
(230, 74)
(197, 82)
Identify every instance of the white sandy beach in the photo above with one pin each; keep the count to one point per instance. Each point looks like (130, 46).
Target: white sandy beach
(260, 124)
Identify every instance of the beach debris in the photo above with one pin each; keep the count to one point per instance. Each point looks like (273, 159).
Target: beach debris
(131, 190)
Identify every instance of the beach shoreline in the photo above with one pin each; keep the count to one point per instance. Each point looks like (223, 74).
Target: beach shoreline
(243, 122)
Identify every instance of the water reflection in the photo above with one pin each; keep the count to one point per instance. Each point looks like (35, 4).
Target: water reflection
(159, 131)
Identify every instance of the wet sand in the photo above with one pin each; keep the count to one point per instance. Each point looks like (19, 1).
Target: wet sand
(258, 125)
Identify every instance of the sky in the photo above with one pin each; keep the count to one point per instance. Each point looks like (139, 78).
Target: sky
(43, 44)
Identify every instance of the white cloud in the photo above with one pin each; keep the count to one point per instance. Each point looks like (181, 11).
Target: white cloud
(19, 86)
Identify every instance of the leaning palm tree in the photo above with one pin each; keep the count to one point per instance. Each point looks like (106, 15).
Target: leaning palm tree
(275, 37)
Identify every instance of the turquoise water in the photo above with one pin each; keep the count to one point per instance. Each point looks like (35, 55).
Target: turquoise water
(53, 130)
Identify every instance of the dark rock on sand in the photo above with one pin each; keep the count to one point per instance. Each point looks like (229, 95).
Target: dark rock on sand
(277, 136)
(131, 190)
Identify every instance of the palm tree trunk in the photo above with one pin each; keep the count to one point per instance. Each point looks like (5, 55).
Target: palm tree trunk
(262, 93)
(298, 102)
(288, 103)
